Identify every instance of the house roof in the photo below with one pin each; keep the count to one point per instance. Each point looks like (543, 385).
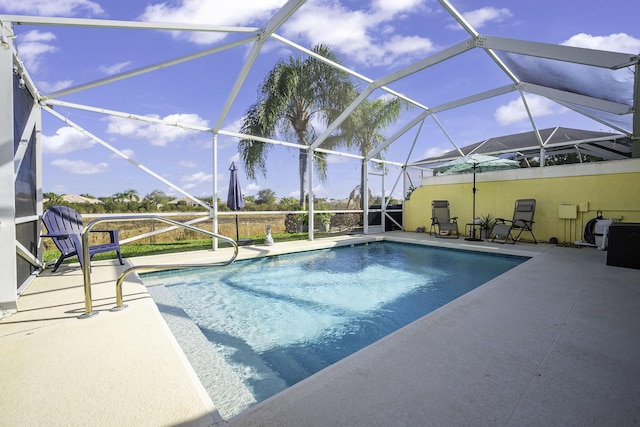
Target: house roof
(74, 198)
(554, 141)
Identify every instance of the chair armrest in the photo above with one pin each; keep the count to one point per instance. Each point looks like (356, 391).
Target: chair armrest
(114, 234)
(502, 221)
(56, 235)
(454, 219)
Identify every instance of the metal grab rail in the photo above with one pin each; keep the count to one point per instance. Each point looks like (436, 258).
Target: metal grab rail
(86, 264)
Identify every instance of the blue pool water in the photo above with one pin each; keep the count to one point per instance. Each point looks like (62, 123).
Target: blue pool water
(280, 319)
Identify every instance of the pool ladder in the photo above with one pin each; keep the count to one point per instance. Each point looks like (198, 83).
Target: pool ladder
(86, 266)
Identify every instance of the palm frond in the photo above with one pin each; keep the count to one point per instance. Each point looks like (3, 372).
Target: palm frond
(293, 95)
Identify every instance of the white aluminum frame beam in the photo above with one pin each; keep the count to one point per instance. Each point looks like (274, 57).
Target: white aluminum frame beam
(149, 68)
(478, 41)
(578, 143)
(8, 286)
(25, 138)
(635, 137)
(124, 156)
(345, 69)
(474, 98)
(574, 98)
(407, 71)
(107, 23)
(577, 55)
(274, 23)
(54, 102)
(592, 117)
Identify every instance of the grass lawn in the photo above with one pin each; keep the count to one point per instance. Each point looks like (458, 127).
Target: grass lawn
(136, 250)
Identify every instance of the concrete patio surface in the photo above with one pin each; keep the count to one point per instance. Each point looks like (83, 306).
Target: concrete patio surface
(554, 341)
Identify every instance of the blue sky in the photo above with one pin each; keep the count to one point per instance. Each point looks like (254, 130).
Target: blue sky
(374, 38)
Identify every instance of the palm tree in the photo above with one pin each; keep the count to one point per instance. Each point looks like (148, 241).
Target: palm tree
(293, 95)
(363, 131)
(132, 195)
(52, 199)
(119, 197)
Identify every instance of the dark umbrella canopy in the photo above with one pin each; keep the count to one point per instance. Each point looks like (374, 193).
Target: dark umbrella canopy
(475, 163)
(235, 202)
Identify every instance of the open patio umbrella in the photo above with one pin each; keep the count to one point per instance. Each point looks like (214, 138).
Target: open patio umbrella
(475, 163)
(235, 202)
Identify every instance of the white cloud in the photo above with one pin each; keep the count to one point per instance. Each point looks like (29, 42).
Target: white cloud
(187, 164)
(620, 42)
(196, 179)
(478, 18)
(212, 13)
(156, 133)
(252, 188)
(434, 152)
(358, 34)
(320, 191)
(47, 87)
(80, 167)
(114, 68)
(51, 8)
(333, 159)
(235, 126)
(394, 6)
(66, 139)
(361, 35)
(33, 45)
(514, 111)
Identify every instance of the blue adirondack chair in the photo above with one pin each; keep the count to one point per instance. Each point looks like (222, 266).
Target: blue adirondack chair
(64, 226)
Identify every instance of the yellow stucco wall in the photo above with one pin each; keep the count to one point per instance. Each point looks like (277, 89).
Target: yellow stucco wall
(610, 187)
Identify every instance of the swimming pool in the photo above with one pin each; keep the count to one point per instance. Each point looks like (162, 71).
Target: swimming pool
(269, 323)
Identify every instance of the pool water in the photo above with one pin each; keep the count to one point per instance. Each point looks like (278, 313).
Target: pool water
(280, 319)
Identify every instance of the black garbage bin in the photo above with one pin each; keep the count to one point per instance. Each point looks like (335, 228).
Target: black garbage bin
(623, 249)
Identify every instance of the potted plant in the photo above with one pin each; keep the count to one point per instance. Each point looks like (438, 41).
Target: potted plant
(486, 224)
(410, 190)
(325, 220)
(303, 222)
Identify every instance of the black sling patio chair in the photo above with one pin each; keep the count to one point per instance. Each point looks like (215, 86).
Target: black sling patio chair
(522, 221)
(441, 221)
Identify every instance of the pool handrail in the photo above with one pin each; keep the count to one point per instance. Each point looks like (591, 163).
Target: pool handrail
(86, 266)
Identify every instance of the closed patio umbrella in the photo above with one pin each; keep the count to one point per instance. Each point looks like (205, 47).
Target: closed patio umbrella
(235, 202)
(475, 163)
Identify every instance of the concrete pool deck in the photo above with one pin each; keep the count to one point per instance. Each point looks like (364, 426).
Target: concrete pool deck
(554, 341)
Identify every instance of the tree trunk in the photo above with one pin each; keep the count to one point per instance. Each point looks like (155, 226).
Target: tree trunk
(303, 176)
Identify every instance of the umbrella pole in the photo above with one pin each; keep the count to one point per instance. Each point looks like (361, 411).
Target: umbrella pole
(237, 230)
(473, 236)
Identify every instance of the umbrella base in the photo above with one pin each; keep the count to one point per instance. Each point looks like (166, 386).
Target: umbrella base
(473, 239)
